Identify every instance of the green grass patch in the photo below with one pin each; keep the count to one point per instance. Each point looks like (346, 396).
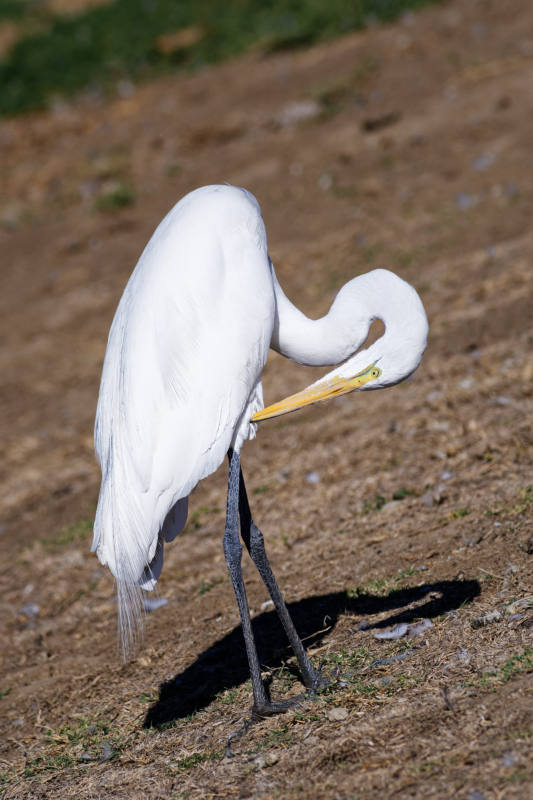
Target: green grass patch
(187, 763)
(70, 534)
(460, 512)
(228, 696)
(148, 697)
(196, 519)
(525, 501)
(13, 9)
(336, 95)
(262, 489)
(78, 744)
(118, 196)
(135, 39)
(375, 504)
(206, 587)
(277, 738)
(381, 587)
(516, 665)
(401, 494)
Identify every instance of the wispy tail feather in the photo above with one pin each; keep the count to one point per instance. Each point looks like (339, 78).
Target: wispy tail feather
(131, 615)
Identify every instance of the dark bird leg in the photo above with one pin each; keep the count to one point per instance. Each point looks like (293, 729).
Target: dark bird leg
(253, 539)
(233, 552)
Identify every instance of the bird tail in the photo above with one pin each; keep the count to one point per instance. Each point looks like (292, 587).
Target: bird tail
(131, 615)
(135, 563)
(123, 563)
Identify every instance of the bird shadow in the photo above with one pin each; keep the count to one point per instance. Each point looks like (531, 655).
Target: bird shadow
(224, 665)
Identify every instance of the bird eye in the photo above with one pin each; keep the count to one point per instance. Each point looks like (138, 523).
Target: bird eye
(375, 373)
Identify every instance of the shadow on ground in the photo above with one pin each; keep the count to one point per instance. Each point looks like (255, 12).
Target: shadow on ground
(224, 665)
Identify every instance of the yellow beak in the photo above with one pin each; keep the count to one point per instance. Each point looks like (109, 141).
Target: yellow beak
(332, 387)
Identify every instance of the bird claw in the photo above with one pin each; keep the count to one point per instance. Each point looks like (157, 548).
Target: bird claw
(280, 707)
(260, 712)
(318, 682)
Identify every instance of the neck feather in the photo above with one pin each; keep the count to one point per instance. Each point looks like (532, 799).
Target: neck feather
(379, 294)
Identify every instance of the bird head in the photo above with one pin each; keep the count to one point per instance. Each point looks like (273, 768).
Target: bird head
(389, 360)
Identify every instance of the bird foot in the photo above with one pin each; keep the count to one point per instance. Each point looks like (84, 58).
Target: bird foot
(270, 708)
(259, 712)
(316, 682)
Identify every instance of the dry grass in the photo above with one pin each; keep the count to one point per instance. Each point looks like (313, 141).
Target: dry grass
(423, 506)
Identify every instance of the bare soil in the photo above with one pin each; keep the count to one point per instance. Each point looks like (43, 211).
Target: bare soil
(407, 147)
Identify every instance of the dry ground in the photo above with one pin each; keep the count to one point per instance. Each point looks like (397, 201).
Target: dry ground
(409, 147)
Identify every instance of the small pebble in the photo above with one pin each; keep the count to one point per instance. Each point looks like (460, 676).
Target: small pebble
(382, 662)
(107, 752)
(152, 604)
(483, 162)
(337, 714)
(502, 400)
(486, 619)
(420, 627)
(295, 113)
(30, 610)
(467, 383)
(395, 633)
(266, 761)
(312, 477)
(466, 201)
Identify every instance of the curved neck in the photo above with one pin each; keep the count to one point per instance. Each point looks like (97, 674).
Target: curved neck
(335, 336)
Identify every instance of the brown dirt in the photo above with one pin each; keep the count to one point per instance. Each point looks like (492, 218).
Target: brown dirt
(416, 155)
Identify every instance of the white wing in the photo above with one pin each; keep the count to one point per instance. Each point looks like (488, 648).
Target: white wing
(181, 375)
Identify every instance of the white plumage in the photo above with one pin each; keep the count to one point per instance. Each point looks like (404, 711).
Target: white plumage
(182, 371)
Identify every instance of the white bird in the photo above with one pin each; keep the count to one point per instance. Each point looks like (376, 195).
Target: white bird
(181, 388)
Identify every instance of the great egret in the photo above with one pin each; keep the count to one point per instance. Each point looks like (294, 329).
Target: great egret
(181, 388)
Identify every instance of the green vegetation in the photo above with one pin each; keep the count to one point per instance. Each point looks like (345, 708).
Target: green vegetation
(85, 738)
(459, 512)
(189, 762)
(378, 501)
(525, 500)
(73, 745)
(149, 697)
(517, 664)
(12, 9)
(517, 509)
(70, 534)
(134, 39)
(336, 95)
(206, 587)
(228, 696)
(196, 521)
(381, 587)
(277, 738)
(5, 693)
(119, 195)
(401, 494)
(262, 489)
